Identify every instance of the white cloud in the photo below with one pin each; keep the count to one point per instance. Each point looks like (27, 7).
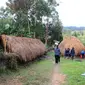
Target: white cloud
(3, 3)
(72, 12)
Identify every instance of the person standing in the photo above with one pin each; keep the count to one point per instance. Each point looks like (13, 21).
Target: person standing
(82, 54)
(72, 53)
(68, 52)
(57, 54)
(65, 55)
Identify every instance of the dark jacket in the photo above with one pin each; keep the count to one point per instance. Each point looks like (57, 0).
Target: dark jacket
(72, 52)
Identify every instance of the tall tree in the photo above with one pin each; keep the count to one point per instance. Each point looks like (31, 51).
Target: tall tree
(55, 32)
(28, 13)
(28, 16)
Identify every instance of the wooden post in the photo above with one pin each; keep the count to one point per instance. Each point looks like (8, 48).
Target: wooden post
(34, 34)
(46, 35)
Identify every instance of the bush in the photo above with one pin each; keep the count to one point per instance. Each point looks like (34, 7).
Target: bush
(12, 63)
(8, 60)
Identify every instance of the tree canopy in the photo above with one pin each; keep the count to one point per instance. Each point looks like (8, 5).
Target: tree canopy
(25, 18)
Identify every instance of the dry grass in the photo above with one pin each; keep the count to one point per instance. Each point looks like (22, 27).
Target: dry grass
(27, 48)
(70, 42)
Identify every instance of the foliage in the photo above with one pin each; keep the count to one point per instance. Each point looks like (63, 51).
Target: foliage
(8, 61)
(12, 62)
(25, 18)
(5, 21)
(75, 34)
(56, 32)
(28, 14)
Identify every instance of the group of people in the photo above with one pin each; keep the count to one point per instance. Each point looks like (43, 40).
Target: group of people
(68, 53)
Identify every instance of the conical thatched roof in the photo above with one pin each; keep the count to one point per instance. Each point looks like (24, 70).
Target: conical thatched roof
(70, 42)
(26, 48)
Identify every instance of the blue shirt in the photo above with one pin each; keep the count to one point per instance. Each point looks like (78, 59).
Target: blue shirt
(57, 51)
(82, 52)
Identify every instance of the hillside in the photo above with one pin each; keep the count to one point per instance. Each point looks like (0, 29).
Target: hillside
(73, 28)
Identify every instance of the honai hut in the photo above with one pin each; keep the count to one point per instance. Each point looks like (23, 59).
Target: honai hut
(27, 48)
(70, 42)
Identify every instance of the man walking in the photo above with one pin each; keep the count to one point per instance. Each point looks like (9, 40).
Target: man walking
(57, 54)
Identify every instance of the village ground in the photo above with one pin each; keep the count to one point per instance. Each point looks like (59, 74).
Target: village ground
(56, 78)
(46, 72)
(41, 72)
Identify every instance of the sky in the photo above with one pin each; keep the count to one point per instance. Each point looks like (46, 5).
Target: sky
(71, 12)
(3, 3)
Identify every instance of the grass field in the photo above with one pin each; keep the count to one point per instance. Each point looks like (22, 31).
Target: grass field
(72, 70)
(36, 73)
(40, 72)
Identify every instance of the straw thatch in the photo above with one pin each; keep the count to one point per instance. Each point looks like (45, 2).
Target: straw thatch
(27, 48)
(70, 42)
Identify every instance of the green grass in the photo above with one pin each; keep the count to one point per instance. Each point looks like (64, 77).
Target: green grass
(73, 71)
(37, 73)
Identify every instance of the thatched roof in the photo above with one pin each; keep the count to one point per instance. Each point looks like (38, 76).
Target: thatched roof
(70, 42)
(26, 48)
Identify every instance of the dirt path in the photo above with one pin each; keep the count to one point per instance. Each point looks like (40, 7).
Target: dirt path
(57, 77)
